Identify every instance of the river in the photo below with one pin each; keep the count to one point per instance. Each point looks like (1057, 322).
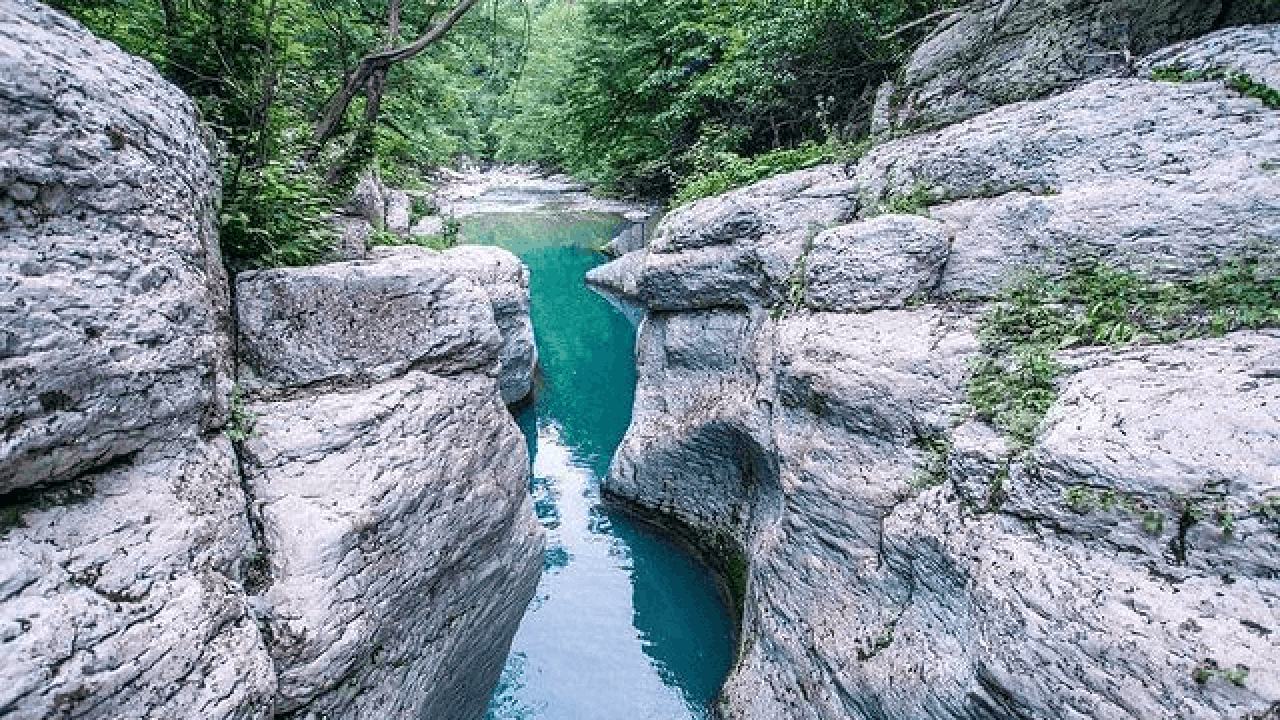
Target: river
(625, 624)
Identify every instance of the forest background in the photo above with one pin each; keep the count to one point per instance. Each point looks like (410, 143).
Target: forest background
(660, 99)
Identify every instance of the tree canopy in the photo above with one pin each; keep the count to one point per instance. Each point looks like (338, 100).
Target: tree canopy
(641, 97)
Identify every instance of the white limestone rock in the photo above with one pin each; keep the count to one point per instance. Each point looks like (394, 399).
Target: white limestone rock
(114, 328)
(998, 52)
(902, 559)
(402, 543)
(121, 596)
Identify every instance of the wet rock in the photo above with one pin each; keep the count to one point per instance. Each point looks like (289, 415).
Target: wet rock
(505, 280)
(353, 237)
(369, 201)
(735, 250)
(113, 300)
(389, 477)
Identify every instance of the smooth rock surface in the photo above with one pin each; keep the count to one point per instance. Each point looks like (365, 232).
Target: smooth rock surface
(113, 300)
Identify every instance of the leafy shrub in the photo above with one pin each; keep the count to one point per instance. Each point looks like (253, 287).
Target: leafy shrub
(717, 173)
(274, 217)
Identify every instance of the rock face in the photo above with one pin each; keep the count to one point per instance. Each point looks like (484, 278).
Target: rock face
(997, 52)
(365, 547)
(113, 301)
(391, 483)
(801, 406)
(121, 574)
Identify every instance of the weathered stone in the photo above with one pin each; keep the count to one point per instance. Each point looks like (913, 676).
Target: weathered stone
(882, 263)
(398, 208)
(429, 226)
(1254, 51)
(113, 300)
(402, 543)
(901, 558)
(735, 250)
(505, 280)
(997, 52)
(353, 237)
(369, 201)
(122, 595)
(1164, 179)
(350, 323)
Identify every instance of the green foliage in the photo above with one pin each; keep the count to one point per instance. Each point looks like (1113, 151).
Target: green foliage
(915, 201)
(934, 471)
(1242, 83)
(646, 96)
(1015, 391)
(11, 517)
(243, 422)
(1013, 383)
(273, 217)
(1237, 675)
(443, 241)
(1208, 670)
(718, 172)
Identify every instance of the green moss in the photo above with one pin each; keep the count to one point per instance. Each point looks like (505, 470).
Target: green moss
(934, 471)
(1242, 83)
(1013, 383)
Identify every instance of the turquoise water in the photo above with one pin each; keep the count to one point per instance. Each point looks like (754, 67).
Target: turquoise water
(624, 625)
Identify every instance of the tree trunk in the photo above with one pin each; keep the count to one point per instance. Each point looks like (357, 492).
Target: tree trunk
(372, 70)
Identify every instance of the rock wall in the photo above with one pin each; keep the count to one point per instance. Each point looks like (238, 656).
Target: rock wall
(364, 548)
(805, 352)
(389, 479)
(125, 539)
(997, 52)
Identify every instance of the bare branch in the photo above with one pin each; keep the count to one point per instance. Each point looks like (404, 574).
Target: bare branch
(931, 17)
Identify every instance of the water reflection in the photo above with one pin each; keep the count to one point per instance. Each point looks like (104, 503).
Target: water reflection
(624, 624)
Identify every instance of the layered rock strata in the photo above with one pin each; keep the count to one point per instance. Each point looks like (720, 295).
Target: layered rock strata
(802, 411)
(364, 548)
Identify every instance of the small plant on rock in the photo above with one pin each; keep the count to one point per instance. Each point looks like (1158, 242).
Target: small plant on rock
(243, 421)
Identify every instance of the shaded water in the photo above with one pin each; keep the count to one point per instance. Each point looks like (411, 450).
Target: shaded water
(624, 625)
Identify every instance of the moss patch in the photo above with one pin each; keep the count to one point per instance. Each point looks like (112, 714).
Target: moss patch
(1013, 382)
